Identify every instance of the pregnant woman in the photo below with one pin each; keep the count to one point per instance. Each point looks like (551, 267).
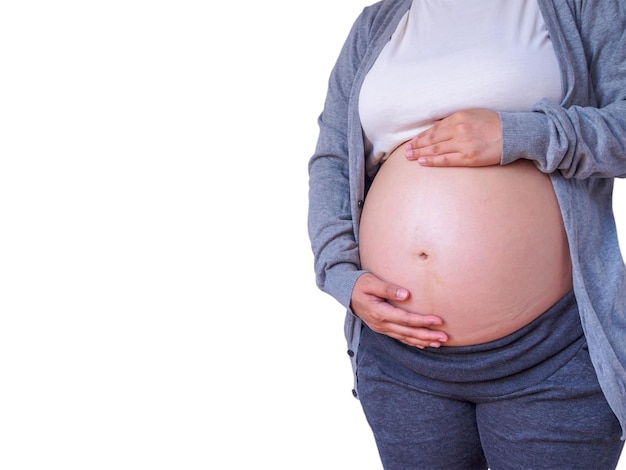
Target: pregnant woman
(461, 210)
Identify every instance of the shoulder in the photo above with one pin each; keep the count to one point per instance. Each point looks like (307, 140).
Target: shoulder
(376, 17)
(596, 32)
(591, 13)
(372, 23)
(595, 24)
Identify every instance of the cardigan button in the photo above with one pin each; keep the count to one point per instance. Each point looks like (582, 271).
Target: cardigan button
(360, 203)
(354, 394)
(350, 353)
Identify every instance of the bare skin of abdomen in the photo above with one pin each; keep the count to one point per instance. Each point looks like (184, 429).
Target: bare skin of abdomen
(482, 248)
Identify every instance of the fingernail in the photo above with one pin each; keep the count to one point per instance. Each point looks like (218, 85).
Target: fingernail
(434, 345)
(401, 294)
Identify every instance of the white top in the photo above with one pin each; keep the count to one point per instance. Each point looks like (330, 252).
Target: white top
(448, 55)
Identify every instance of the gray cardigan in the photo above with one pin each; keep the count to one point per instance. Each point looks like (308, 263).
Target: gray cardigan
(580, 142)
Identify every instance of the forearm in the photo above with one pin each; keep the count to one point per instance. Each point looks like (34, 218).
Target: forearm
(580, 142)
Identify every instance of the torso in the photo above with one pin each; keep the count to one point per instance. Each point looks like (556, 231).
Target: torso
(483, 248)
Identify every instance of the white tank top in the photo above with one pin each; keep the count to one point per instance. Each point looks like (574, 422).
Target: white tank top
(448, 55)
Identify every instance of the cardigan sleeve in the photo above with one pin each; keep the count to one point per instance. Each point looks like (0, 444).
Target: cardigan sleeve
(330, 220)
(580, 141)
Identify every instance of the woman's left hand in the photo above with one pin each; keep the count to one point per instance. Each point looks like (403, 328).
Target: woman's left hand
(471, 137)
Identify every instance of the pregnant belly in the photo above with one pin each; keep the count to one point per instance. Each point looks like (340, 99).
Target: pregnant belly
(483, 248)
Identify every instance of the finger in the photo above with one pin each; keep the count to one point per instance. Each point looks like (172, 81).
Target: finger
(405, 319)
(424, 136)
(432, 150)
(440, 131)
(388, 319)
(418, 337)
(461, 158)
(376, 286)
(435, 143)
(410, 328)
(445, 160)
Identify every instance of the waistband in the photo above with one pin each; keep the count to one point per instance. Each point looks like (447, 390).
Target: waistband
(514, 362)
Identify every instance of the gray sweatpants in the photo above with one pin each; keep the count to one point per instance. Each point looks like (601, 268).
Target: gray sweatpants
(530, 400)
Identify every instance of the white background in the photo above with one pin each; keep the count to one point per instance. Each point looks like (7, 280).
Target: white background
(156, 280)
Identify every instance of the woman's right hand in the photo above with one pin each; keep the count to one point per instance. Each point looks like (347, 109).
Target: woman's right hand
(369, 302)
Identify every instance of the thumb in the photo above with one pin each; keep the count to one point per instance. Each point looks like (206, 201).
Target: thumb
(383, 289)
